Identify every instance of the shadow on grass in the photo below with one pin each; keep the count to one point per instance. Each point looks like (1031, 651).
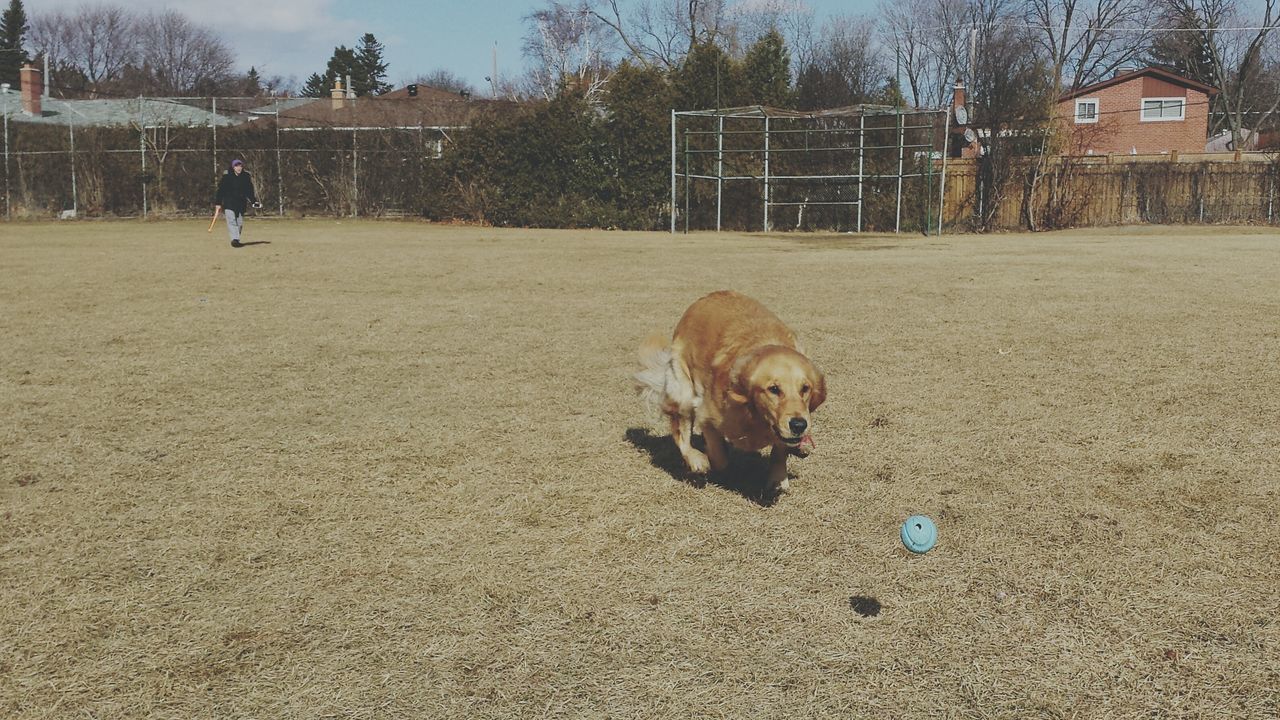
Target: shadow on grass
(255, 242)
(747, 475)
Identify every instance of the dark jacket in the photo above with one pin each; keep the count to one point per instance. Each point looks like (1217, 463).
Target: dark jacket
(235, 191)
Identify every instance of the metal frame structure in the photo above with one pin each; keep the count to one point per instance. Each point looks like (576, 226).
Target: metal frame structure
(839, 135)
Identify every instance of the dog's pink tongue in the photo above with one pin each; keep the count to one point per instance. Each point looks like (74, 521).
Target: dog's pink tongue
(807, 443)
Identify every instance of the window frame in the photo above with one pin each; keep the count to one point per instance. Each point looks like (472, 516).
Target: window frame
(1096, 110)
(1182, 108)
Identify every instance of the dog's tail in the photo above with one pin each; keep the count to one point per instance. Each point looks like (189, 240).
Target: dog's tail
(651, 381)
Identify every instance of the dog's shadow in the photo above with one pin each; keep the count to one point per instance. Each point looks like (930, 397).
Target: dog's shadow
(747, 474)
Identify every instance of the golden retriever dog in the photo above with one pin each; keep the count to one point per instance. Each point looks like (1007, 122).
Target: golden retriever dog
(737, 374)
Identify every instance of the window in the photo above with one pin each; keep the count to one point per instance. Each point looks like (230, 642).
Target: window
(1158, 109)
(1086, 111)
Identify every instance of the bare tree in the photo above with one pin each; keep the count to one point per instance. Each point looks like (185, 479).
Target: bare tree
(793, 19)
(1087, 40)
(96, 42)
(445, 80)
(929, 44)
(1012, 100)
(567, 45)
(181, 57)
(848, 46)
(1241, 62)
(661, 32)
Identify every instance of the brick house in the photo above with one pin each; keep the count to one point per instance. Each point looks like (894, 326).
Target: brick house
(1137, 112)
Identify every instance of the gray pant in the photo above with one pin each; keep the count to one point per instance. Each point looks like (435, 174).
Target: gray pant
(235, 223)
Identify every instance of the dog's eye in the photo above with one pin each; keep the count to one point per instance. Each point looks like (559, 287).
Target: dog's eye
(804, 390)
(775, 389)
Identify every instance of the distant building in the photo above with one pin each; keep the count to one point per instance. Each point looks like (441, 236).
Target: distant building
(410, 107)
(29, 105)
(1143, 111)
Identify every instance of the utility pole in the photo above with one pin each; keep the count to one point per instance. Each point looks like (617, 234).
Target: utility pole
(973, 54)
(973, 69)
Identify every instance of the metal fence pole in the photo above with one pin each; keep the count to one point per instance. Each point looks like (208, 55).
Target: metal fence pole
(214, 121)
(928, 172)
(862, 124)
(942, 184)
(75, 196)
(897, 222)
(142, 152)
(1271, 192)
(687, 184)
(766, 173)
(279, 163)
(355, 174)
(719, 171)
(673, 168)
(8, 210)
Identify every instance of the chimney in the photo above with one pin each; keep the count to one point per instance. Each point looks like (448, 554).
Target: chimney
(336, 96)
(1123, 70)
(351, 92)
(31, 90)
(957, 95)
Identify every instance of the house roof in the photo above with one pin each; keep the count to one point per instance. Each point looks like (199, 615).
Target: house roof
(1155, 72)
(114, 112)
(439, 109)
(426, 93)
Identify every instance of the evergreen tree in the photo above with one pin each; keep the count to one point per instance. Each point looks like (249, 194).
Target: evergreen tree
(1185, 53)
(364, 65)
(707, 79)
(343, 63)
(891, 93)
(316, 86)
(371, 75)
(13, 30)
(822, 88)
(638, 127)
(766, 72)
(252, 83)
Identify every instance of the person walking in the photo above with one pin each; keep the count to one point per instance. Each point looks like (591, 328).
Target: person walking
(235, 192)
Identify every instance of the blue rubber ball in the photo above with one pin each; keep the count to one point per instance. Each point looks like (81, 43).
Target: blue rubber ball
(919, 534)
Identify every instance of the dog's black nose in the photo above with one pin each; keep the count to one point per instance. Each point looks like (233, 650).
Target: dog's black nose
(798, 425)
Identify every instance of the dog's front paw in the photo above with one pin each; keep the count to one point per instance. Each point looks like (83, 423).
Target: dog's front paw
(785, 485)
(697, 462)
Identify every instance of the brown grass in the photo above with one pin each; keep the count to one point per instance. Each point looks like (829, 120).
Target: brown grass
(396, 470)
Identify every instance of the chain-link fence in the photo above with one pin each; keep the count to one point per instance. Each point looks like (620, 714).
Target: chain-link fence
(163, 157)
(861, 168)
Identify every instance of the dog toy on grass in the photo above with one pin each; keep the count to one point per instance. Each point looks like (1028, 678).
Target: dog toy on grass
(919, 534)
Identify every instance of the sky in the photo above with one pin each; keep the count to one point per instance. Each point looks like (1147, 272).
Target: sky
(296, 37)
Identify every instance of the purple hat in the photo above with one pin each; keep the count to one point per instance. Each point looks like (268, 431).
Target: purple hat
(237, 161)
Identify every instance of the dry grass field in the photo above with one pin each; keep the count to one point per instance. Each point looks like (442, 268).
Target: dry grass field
(393, 470)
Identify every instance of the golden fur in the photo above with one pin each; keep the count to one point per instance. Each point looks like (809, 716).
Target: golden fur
(737, 374)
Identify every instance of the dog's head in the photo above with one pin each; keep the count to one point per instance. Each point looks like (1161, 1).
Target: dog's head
(782, 387)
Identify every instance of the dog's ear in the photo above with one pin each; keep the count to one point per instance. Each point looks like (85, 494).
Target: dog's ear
(818, 394)
(739, 381)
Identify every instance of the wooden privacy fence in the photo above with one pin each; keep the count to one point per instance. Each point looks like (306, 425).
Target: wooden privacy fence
(1079, 192)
